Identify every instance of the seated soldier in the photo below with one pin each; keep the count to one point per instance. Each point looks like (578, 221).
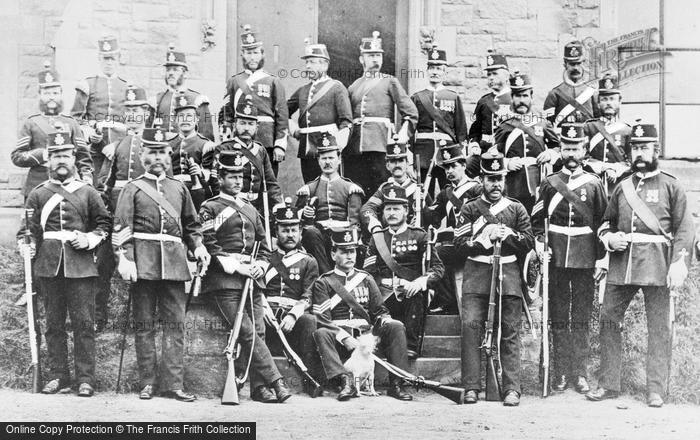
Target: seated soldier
(346, 300)
(329, 202)
(443, 214)
(397, 164)
(288, 283)
(406, 268)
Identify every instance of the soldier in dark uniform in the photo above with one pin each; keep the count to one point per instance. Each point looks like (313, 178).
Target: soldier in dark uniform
(491, 108)
(483, 221)
(288, 281)
(574, 202)
(164, 105)
(69, 221)
(373, 97)
(155, 224)
(572, 100)
(268, 98)
(31, 149)
(397, 164)
(328, 202)
(443, 214)
(648, 231)
(440, 118)
(99, 105)
(231, 227)
(255, 158)
(404, 265)
(192, 152)
(323, 104)
(527, 141)
(608, 150)
(347, 301)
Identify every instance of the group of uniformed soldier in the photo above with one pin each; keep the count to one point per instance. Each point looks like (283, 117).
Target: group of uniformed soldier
(153, 176)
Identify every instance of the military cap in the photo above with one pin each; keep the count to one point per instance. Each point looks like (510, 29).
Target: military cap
(248, 38)
(345, 238)
(182, 102)
(573, 51)
(48, 77)
(449, 154)
(496, 61)
(59, 141)
(154, 138)
(608, 85)
(643, 132)
(175, 58)
(246, 109)
(396, 150)
(519, 82)
(372, 44)
(326, 142)
(572, 133)
(315, 51)
(108, 45)
(492, 162)
(135, 96)
(437, 57)
(394, 194)
(288, 214)
(231, 161)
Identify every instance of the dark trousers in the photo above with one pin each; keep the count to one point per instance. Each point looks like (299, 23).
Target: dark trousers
(367, 170)
(275, 165)
(263, 369)
(301, 340)
(77, 297)
(309, 168)
(445, 291)
(160, 304)
(392, 344)
(410, 311)
(318, 245)
(570, 307)
(105, 269)
(615, 303)
(475, 309)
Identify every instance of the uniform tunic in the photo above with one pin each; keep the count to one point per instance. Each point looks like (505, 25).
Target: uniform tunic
(601, 154)
(578, 101)
(487, 115)
(165, 111)
(201, 150)
(371, 213)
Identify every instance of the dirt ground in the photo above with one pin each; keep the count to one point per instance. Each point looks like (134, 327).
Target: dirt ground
(566, 415)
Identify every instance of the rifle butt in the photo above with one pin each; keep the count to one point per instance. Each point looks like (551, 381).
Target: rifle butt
(453, 393)
(230, 395)
(36, 378)
(493, 389)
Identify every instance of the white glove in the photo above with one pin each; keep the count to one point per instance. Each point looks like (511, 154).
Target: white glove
(108, 151)
(342, 137)
(80, 241)
(127, 269)
(229, 264)
(403, 133)
(677, 273)
(473, 149)
(201, 254)
(194, 168)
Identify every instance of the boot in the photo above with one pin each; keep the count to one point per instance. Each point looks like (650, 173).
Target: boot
(281, 390)
(347, 387)
(264, 395)
(396, 391)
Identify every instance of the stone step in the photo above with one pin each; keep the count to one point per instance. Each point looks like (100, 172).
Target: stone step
(442, 346)
(442, 325)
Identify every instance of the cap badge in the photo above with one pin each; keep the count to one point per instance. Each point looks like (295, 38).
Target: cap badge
(59, 140)
(130, 95)
(171, 57)
(183, 101)
(247, 110)
(238, 161)
(326, 142)
(446, 155)
(250, 39)
(289, 213)
(489, 60)
(392, 193)
(571, 133)
(519, 81)
(347, 237)
(48, 77)
(495, 165)
(158, 136)
(574, 51)
(397, 149)
(639, 131)
(435, 55)
(106, 47)
(608, 84)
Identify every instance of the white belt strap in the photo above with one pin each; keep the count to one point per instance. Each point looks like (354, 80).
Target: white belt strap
(394, 282)
(332, 128)
(120, 183)
(352, 323)
(265, 118)
(157, 237)
(377, 119)
(185, 178)
(571, 230)
(636, 237)
(59, 235)
(281, 301)
(487, 259)
(436, 136)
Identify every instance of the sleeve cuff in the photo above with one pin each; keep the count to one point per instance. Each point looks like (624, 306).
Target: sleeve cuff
(298, 309)
(604, 239)
(342, 335)
(484, 240)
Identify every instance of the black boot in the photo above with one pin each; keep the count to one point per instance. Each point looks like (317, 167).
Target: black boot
(560, 384)
(312, 389)
(281, 390)
(264, 395)
(396, 391)
(347, 387)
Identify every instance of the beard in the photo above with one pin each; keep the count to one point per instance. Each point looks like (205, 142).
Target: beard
(572, 163)
(645, 166)
(260, 65)
(178, 82)
(62, 172)
(51, 107)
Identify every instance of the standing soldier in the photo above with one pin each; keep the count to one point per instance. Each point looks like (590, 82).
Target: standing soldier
(328, 202)
(231, 227)
(69, 221)
(192, 152)
(397, 164)
(443, 215)
(608, 154)
(648, 231)
(527, 141)
(155, 224)
(288, 282)
(573, 201)
(260, 176)
(175, 76)
(572, 100)
(493, 107)
(32, 139)
(440, 117)
(323, 104)
(373, 97)
(404, 266)
(268, 98)
(99, 105)
(347, 301)
(484, 221)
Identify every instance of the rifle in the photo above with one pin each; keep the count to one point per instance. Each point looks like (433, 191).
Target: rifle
(493, 388)
(196, 285)
(418, 194)
(29, 297)
(124, 331)
(313, 202)
(453, 393)
(266, 213)
(427, 257)
(545, 312)
(230, 395)
(289, 353)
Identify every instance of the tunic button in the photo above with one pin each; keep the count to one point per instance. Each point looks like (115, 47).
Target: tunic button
(634, 228)
(641, 183)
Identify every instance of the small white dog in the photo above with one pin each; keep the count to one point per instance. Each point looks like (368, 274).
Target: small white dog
(361, 364)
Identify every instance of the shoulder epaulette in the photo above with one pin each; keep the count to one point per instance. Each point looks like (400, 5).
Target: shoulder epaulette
(668, 174)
